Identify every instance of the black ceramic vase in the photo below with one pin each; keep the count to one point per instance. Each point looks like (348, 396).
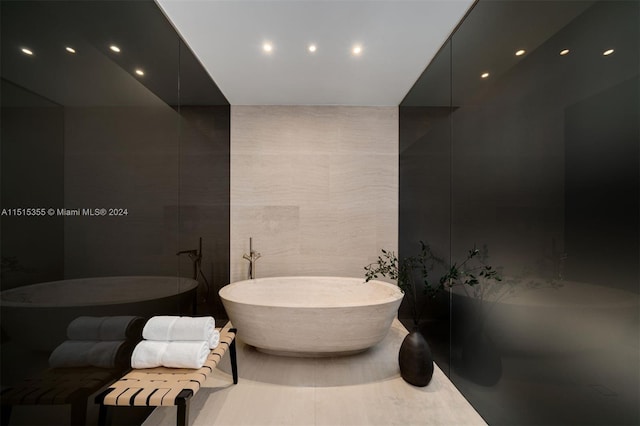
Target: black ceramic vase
(415, 359)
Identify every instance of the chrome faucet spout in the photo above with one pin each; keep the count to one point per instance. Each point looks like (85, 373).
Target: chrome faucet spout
(251, 257)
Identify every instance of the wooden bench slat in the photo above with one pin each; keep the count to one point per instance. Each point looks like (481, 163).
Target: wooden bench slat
(170, 397)
(112, 397)
(155, 400)
(125, 397)
(142, 397)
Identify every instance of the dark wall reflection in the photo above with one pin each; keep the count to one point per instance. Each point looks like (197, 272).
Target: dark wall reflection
(33, 138)
(203, 210)
(81, 131)
(544, 171)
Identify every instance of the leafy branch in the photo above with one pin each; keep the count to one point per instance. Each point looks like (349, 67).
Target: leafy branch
(470, 271)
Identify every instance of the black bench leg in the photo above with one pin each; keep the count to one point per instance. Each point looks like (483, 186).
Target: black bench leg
(5, 414)
(105, 414)
(183, 412)
(234, 361)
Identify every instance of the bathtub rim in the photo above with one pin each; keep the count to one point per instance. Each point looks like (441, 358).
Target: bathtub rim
(398, 294)
(192, 284)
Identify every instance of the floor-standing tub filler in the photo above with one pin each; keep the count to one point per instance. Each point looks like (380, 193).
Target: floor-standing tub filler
(311, 316)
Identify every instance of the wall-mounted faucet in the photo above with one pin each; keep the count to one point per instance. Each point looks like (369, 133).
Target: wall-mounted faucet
(252, 257)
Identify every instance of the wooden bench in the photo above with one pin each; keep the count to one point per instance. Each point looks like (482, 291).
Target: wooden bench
(155, 387)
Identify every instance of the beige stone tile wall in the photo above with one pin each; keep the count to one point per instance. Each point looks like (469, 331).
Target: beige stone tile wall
(315, 186)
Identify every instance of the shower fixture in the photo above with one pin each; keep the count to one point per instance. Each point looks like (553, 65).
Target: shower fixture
(252, 257)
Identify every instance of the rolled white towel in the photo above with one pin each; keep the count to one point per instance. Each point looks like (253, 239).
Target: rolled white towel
(172, 328)
(159, 328)
(214, 340)
(193, 328)
(185, 354)
(148, 354)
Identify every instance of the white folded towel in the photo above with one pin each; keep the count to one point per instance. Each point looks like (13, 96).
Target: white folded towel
(148, 354)
(214, 340)
(193, 328)
(172, 328)
(159, 328)
(186, 354)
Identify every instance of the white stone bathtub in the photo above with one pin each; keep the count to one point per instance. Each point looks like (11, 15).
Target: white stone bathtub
(311, 316)
(37, 315)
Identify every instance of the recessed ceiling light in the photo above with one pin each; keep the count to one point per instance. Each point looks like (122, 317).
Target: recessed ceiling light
(485, 75)
(139, 72)
(70, 49)
(26, 51)
(267, 47)
(608, 52)
(357, 50)
(520, 52)
(114, 48)
(564, 52)
(312, 48)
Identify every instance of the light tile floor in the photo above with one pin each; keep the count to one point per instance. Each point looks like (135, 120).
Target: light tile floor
(362, 389)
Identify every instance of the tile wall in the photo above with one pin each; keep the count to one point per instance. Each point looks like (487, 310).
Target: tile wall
(316, 187)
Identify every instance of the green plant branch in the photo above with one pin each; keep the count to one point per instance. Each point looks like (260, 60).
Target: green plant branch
(403, 272)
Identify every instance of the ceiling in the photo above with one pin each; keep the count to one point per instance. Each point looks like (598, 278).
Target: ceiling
(398, 39)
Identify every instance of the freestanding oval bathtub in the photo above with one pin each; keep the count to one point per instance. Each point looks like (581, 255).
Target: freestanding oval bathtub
(311, 316)
(37, 315)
